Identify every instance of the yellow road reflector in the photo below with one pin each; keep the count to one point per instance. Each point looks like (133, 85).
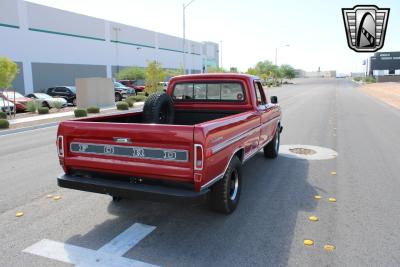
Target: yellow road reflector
(329, 247)
(56, 198)
(19, 214)
(333, 173)
(317, 197)
(332, 199)
(49, 196)
(313, 218)
(308, 242)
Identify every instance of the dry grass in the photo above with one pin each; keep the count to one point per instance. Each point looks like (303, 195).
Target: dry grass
(386, 92)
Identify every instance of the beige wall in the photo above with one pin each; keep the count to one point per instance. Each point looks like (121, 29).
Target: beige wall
(95, 92)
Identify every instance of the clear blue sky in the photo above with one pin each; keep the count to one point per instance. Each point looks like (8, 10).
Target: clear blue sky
(250, 30)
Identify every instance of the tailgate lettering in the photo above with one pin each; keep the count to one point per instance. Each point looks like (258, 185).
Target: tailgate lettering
(176, 155)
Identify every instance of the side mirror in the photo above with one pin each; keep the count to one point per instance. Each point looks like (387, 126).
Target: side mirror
(274, 99)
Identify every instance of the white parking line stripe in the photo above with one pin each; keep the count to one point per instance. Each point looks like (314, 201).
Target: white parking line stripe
(127, 239)
(110, 255)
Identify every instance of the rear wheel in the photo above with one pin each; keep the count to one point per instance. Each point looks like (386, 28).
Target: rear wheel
(74, 102)
(271, 150)
(225, 194)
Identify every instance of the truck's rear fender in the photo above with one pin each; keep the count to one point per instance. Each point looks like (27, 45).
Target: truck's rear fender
(160, 138)
(237, 134)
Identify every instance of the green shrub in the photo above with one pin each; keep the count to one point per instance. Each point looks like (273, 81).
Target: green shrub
(122, 105)
(357, 79)
(58, 105)
(4, 124)
(79, 112)
(43, 110)
(138, 98)
(141, 93)
(130, 102)
(369, 79)
(3, 115)
(93, 109)
(32, 106)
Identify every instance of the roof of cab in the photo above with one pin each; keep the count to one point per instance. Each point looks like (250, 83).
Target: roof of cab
(213, 76)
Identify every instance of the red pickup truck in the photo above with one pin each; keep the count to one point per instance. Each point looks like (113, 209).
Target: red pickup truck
(189, 142)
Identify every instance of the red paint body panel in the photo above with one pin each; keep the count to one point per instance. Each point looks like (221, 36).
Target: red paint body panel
(244, 133)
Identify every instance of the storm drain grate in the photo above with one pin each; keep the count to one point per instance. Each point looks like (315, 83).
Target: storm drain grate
(302, 151)
(307, 152)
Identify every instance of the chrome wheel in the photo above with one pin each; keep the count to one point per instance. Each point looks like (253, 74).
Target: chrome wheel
(278, 137)
(234, 185)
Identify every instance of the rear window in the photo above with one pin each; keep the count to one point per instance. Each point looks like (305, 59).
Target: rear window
(214, 91)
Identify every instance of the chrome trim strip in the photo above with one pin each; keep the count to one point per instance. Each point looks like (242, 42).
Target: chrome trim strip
(234, 139)
(240, 136)
(123, 156)
(212, 181)
(221, 175)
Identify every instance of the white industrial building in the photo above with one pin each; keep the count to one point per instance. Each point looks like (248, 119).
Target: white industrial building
(54, 47)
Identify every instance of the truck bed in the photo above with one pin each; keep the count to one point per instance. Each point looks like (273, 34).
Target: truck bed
(182, 117)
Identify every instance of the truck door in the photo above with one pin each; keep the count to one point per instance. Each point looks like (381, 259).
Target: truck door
(265, 114)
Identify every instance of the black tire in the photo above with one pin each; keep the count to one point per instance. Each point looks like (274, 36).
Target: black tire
(159, 108)
(271, 150)
(74, 102)
(225, 194)
(45, 105)
(116, 198)
(118, 97)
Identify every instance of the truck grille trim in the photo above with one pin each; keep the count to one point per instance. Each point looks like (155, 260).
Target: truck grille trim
(136, 152)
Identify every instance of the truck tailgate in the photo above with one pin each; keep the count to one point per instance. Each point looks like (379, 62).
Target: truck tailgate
(139, 150)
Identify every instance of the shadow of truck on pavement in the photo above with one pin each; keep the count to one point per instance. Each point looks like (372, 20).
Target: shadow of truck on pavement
(258, 233)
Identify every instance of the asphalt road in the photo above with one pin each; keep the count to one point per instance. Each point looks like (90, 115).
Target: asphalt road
(271, 222)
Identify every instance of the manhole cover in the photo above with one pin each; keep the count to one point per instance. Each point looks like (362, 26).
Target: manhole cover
(302, 151)
(307, 152)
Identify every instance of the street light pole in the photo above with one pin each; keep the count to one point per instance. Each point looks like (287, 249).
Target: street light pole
(276, 53)
(184, 36)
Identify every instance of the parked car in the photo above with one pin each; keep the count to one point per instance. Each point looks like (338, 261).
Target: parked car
(133, 84)
(189, 142)
(18, 99)
(66, 92)
(122, 91)
(6, 106)
(47, 100)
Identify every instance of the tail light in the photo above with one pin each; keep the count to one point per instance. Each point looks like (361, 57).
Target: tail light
(198, 157)
(60, 146)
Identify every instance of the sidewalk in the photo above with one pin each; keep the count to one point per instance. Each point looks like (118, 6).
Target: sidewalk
(46, 117)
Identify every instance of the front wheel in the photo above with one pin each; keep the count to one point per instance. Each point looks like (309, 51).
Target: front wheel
(271, 150)
(225, 194)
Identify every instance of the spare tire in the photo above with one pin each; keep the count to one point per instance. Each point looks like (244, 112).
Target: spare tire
(159, 108)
